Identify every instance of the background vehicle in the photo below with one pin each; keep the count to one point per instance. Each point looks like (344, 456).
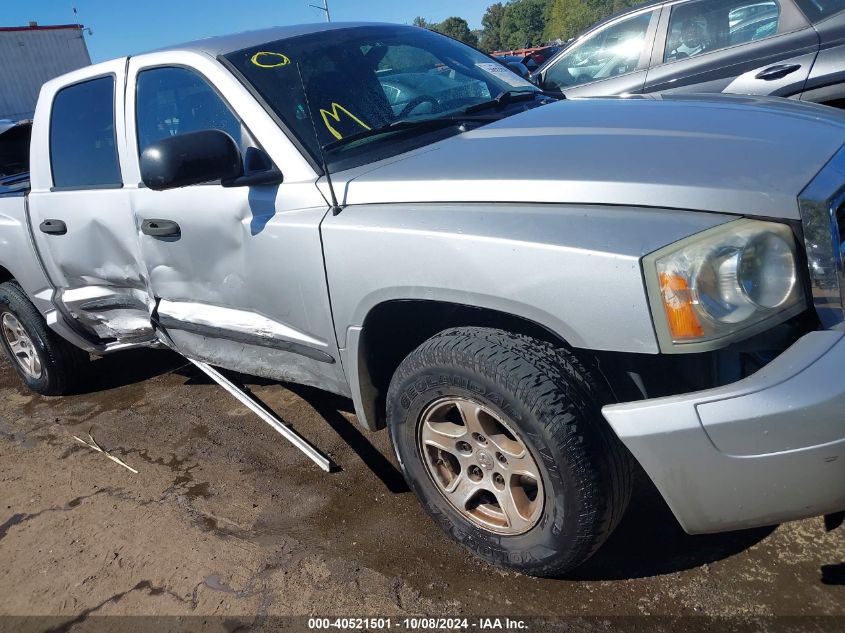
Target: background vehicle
(528, 332)
(532, 58)
(785, 48)
(14, 184)
(14, 147)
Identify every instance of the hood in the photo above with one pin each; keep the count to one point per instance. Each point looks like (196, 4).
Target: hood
(743, 155)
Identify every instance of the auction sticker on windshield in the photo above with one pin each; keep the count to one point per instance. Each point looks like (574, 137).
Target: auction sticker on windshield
(500, 72)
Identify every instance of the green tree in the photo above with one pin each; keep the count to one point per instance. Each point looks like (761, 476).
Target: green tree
(491, 38)
(422, 22)
(457, 28)
(618, 5)
(568, 18)
(524, 23)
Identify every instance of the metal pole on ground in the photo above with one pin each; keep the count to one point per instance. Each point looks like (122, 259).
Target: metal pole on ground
(278, 425)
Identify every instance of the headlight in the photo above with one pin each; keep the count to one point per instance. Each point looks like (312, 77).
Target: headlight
(722, 285)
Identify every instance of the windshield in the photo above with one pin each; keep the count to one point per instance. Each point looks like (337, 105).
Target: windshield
(365, 78)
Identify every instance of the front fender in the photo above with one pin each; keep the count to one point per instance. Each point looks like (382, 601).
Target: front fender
(573, 269)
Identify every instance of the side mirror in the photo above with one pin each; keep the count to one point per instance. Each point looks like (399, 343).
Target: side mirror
(258, 170)
(190, 159)
(520, 69)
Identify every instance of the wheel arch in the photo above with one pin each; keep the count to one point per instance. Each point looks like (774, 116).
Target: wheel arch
(5, 275)
(392, 329)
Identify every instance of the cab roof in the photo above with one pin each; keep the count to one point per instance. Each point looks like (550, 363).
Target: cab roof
(224, 44)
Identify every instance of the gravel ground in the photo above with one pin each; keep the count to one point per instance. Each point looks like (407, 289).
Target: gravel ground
(226, 523)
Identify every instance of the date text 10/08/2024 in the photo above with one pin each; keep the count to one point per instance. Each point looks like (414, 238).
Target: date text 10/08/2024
(417, 623)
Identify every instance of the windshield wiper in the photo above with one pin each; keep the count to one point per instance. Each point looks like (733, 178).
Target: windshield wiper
(410, 124)
(503, 99)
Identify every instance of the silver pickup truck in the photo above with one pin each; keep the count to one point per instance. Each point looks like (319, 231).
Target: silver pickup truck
(538, 298)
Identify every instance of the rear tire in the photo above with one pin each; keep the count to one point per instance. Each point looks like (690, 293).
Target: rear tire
(47, 363)
(529, 396)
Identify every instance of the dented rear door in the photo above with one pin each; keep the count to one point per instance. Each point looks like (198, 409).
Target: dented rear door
(81, 218)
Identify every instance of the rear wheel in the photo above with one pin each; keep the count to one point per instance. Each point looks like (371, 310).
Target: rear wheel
(501, 438)
(47, 363)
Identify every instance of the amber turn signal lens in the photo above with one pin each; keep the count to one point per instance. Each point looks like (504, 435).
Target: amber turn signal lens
(677, 303)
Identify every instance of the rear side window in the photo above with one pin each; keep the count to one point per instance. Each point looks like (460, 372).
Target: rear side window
(83, 151)
(696, 28)
(173, 100)
(820, 9)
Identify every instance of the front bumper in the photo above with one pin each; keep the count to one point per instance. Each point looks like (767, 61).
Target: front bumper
(767, 449)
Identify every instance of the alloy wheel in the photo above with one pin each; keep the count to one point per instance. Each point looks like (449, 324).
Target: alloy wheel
(481, 466)
(19, 342)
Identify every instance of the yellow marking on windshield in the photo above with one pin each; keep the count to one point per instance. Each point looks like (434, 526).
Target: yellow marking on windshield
(334, 113)
(276, 60)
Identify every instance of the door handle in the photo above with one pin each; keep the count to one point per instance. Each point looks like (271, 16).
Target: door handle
(161, 228)
(53, 227)
(778, 72)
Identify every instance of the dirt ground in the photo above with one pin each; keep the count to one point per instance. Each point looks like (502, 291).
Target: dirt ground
(227, 521)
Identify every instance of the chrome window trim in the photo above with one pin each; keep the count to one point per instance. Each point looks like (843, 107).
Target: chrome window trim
(821, 205)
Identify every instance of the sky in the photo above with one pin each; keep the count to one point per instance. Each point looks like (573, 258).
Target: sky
(125, 27)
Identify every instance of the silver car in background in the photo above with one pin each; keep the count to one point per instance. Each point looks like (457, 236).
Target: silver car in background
(784, 48)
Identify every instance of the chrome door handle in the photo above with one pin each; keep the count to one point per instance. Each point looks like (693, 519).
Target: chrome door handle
(778, 72)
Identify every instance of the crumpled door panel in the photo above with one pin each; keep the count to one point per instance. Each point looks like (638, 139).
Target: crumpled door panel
(95, 266)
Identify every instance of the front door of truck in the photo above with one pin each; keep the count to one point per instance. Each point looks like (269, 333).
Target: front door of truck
(81, 219)
(237, 272)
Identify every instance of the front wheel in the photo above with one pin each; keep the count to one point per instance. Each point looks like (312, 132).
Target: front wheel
(501, 438)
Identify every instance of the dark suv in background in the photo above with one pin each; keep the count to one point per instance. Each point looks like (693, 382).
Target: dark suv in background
(788, 48)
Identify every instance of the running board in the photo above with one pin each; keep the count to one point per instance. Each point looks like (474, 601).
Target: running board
(278, 425)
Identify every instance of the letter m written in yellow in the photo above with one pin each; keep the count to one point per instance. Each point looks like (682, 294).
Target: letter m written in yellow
(334, 115)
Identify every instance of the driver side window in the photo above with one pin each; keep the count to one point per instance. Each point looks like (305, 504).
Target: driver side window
(614, 51)
(174, 100)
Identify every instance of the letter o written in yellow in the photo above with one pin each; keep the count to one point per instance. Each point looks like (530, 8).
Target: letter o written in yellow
(266, 59)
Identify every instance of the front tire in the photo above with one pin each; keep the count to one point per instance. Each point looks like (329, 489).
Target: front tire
(501, 438)
(46, 363)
